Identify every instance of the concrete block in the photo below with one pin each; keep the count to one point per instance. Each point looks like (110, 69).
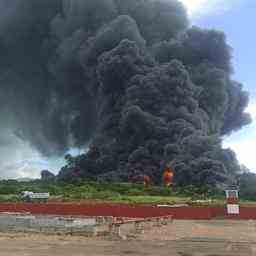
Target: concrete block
(49, 224)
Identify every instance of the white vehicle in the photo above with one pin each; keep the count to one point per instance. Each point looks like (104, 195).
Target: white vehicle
(30, 196)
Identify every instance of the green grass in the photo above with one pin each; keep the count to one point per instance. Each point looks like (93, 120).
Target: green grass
(9, 198)
(114, 193)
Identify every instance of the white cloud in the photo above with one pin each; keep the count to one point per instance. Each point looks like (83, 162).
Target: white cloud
(205, 7)
(193, 6)
(245, 151)
(19, 160)
(252, 110)
(244, 142)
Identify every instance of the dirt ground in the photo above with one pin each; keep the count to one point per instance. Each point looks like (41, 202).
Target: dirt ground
(181, 238)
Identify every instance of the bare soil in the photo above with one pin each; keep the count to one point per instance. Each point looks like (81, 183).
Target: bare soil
(182, 238)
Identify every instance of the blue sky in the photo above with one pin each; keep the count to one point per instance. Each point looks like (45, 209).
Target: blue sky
(236, 18)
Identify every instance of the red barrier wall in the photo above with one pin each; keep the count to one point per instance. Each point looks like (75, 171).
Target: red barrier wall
(246, 213)
(122, 210)
(117, 210)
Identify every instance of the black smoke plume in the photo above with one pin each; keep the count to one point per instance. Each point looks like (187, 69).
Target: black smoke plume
(131, 78)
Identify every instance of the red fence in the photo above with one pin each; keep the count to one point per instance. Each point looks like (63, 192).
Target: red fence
(122, 210)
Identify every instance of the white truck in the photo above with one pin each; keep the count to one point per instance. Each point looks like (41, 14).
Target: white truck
(29, 196)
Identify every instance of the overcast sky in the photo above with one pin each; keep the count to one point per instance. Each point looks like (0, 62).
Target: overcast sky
(235, 18)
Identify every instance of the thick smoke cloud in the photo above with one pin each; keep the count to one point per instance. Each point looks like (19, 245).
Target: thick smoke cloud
(129, 77)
